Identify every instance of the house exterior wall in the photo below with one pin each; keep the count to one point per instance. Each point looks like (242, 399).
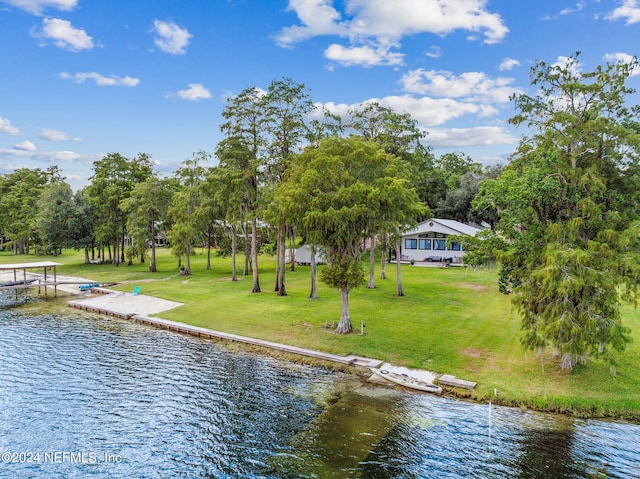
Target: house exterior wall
(428, 241)
(431, 246)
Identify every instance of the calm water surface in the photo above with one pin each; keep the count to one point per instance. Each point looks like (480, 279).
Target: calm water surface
(88, 396)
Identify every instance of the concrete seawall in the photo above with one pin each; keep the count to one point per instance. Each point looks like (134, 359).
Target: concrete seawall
(139, 307)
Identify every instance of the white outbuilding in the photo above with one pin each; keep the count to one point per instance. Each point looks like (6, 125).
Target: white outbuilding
(303, 255)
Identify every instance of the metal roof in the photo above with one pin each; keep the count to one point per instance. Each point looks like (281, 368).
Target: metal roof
(41, 264)
(455, 226)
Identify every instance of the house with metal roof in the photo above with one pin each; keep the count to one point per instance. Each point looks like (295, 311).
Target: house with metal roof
(427, 242)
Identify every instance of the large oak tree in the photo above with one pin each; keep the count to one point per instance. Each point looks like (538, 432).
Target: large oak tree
(336, 194)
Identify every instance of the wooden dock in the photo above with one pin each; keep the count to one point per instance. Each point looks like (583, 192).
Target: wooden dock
(11, 279)
(25, 282)
(452, 381)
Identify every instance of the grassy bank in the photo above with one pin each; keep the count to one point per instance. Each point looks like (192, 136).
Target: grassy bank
(451, 321)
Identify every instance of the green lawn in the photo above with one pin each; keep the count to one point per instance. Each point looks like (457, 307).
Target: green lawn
(451, 321)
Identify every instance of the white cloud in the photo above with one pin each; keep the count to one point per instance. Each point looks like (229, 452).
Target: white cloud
(75, 178)
(16, 153)
(435, 111)
(629, 10)
(366, 56)
(384, 19)
(570, 63)
(381, 22)
(55, 135)
(468, 137)
(100, 80)
(61, 155)
(6, 127)
(508, 64)
(430, 113)
(195, 92)
(171, 38)
(64, 35)
(434, 52)
(10, 166)
(407, 17)
(318, 17)
(340, 109)
(567, 11)
(37, 6)
(473, 86)
(426, 111)
(50, 156)
(25, 146)
(622, 58)
(579, 6)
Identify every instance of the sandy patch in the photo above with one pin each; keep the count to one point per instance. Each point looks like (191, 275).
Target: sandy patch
(475, 353)
(473, 286)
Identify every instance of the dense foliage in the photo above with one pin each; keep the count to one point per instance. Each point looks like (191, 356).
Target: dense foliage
(569, 202)
(336, 194)
(563, 217)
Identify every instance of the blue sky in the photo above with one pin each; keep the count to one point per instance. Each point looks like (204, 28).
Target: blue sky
(82, 78)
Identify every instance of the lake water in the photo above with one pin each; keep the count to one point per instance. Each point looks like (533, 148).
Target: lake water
(88, 396)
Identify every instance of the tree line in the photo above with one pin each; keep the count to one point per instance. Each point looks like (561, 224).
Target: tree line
(245, 202)
(565, 208)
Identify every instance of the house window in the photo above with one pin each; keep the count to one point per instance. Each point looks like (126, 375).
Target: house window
(410, 243)
(439, 244)
(424, 244)
(455, 246)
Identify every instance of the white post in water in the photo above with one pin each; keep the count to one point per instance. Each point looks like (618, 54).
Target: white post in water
(489, 428)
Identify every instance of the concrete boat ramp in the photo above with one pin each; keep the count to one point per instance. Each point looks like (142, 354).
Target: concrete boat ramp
(122, 305)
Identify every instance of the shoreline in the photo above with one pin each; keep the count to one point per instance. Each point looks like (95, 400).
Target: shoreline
(350, 363)
(137, 307)
(571, 406)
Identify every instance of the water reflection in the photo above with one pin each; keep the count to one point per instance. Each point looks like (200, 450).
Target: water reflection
(176, 406)
(337, 440)
(546, 450)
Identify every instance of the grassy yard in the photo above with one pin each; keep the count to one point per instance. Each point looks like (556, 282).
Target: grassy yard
(451, 321)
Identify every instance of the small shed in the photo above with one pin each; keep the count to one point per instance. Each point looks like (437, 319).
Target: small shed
(303, 255)
(427, 242)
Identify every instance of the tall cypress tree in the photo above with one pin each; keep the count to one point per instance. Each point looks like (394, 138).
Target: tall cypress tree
(570, 203)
